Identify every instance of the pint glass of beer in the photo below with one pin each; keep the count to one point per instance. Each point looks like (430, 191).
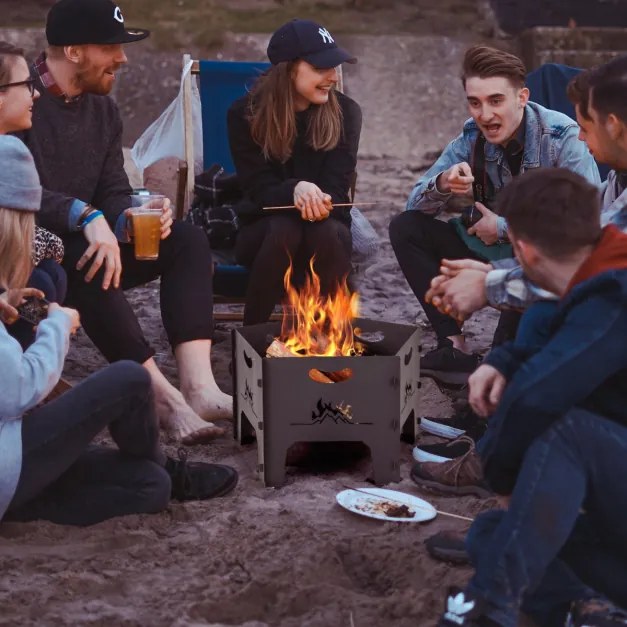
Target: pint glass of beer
(147, 226)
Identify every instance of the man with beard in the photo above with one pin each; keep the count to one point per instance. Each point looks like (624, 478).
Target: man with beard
(76, 140)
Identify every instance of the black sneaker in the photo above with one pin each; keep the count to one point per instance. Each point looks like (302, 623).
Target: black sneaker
(198, 481)
(448, 546)
(441, 452)
(597, 612)
(464, 609)
(448, 365)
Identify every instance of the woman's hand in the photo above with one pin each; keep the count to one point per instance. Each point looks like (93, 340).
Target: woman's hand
(311, 201)
(72, 314)
(11, 299)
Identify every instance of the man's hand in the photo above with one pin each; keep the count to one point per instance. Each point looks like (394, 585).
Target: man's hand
(11, 299)
(104, 245)
(311, 201)
(486, 385)
(72, 314)
(166, 218)
(459, 290)
(485, 229)
(457, 180)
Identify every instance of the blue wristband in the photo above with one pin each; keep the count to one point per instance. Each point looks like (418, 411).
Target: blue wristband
(92, 216)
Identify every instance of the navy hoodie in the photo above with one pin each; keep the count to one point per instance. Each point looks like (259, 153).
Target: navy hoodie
(582, 364)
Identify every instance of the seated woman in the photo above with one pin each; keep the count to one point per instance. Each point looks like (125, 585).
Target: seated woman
(49, 469)
(294, 141)
(17, 94)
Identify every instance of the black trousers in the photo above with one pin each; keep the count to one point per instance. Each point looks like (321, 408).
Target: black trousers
(186, 297)
(420, 242)
(266, 246)
(66, 480)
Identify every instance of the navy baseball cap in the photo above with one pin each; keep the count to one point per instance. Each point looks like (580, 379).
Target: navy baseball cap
(78, 22)
(307, 40)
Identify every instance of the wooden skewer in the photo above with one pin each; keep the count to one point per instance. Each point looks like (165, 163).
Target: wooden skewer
(339, 204)
(385, 498)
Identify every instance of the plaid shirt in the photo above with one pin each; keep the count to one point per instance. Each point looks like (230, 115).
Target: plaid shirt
(506, 285)
(47, 80)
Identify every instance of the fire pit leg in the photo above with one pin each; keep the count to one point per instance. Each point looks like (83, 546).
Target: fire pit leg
(385, 453)
(274, 467)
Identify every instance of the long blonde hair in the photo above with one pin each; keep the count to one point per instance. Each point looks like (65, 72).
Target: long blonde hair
(17, 229)
(273, 119)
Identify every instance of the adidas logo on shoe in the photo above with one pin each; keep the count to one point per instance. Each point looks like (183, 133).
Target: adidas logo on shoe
(464, 609)
(457, 608)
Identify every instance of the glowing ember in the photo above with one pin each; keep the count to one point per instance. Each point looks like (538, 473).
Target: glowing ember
(318, 325)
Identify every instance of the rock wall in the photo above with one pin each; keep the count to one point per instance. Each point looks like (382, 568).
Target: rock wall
(514, 16)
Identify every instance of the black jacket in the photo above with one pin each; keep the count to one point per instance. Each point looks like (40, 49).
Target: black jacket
(271, 183)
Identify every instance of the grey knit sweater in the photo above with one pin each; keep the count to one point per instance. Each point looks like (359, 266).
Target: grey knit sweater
(77, 148)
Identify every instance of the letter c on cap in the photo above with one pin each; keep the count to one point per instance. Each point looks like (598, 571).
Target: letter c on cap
(117, 15)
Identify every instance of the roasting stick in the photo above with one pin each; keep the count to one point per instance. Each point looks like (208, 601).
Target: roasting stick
(386, 498)
(339, 204)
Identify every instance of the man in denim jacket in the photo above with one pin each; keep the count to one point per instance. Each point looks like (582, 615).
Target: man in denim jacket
(469, 286)
(519, 136)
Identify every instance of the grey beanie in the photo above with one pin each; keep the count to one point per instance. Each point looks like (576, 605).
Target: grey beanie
(20, 188)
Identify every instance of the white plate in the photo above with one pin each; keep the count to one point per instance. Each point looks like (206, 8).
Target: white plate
(370, 504)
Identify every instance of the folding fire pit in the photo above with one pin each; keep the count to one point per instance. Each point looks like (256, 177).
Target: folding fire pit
(278, 402)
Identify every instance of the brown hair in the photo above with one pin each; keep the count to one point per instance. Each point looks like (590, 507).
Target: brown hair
(553, 208)
(485, 62)
(8, 52)
(603, 87)
(16, 235)
(273, 119)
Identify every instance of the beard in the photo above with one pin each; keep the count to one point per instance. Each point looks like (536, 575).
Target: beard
(90, 80)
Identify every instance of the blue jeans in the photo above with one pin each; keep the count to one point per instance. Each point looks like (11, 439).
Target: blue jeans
(544, 552)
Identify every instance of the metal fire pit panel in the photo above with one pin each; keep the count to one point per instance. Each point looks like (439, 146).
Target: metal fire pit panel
(278, 402)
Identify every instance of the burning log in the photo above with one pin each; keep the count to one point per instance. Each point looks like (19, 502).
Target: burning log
(279, 349)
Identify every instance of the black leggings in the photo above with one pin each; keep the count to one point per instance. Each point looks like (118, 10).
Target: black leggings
(67, 481)
(186, 297)
(265, 246)
(420, 242)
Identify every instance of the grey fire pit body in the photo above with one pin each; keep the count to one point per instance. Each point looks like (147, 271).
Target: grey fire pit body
(277, 402)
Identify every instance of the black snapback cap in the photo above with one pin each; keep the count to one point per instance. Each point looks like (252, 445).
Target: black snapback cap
(307, 40)
(78, 22)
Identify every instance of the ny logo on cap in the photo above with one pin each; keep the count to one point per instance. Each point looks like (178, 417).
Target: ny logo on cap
(117, 15)
(326, 36)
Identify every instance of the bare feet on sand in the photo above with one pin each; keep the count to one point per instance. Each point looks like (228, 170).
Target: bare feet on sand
(183, 424)
(210, 403)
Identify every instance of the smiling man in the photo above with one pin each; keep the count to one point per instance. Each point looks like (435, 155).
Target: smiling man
(506, 136)
(76, 140)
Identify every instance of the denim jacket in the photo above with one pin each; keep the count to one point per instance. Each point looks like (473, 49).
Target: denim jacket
(507, 286)
(551, 140)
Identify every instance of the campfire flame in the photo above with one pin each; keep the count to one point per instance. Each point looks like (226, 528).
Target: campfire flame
(317, 325)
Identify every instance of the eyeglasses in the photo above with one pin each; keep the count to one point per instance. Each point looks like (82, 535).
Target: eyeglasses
(30, 83)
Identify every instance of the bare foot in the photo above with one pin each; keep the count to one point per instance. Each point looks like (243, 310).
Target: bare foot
(182, 423)
(210, 404)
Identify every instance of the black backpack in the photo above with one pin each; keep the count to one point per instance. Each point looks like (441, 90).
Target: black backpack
(215, 195)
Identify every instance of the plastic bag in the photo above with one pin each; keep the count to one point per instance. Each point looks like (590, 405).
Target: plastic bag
(365, 239)
(165, 137)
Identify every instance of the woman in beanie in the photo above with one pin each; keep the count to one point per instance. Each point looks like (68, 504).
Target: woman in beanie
(48, 470)
(294, 141)
(17, 93)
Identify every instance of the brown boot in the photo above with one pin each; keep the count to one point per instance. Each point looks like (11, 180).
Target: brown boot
(460, 476)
